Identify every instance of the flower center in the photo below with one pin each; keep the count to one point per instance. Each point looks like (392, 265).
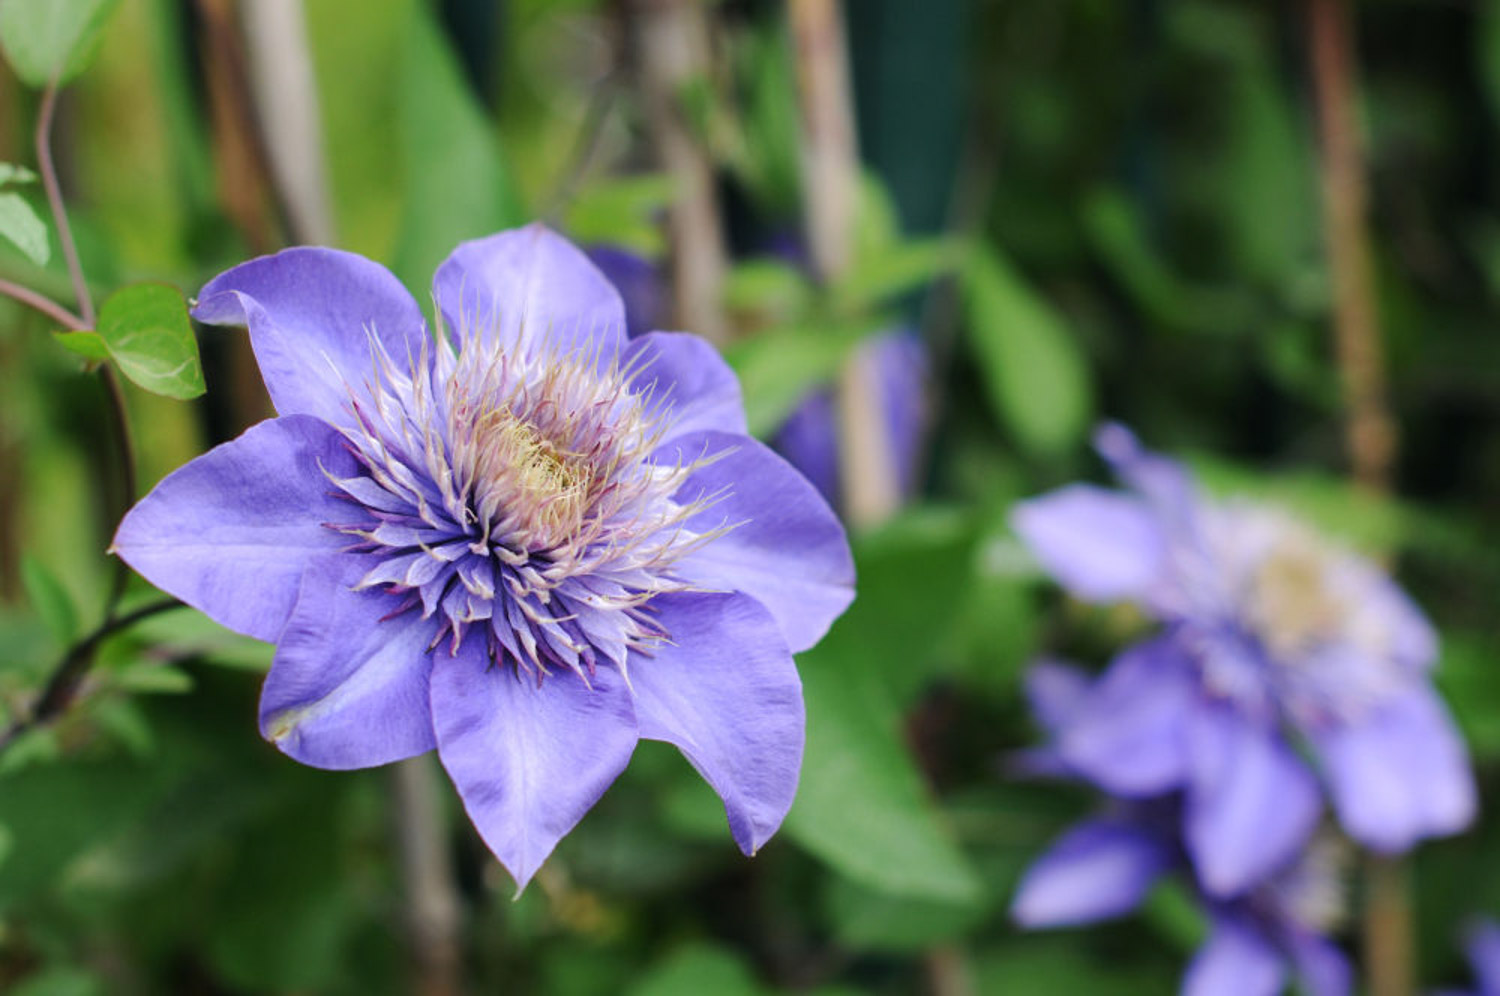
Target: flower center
(544, 487)
(1292, 606)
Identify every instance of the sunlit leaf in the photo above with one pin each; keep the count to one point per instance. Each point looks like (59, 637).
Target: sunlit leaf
(89, 345)
(47, 40)
(22, 226)
(12, 173)
(146, 329)
(50, 599)
(1033, 368)
(777, 369)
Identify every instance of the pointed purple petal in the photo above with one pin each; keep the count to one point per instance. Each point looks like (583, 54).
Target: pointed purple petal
(1401, 774)
(686, 374)
(787, 549)
(1100, 545)
(1235, 961)
(1251, 802)
(1163, 482)
(640, 284)
(1321, 966)
(231, 532)
(311, 312)
(1055, 690)
(1127, 734)
(348, 687)
(1096, 870)
(528, 760)
(726, 693)
(809, 441)
(530, 285)
(1482, 945)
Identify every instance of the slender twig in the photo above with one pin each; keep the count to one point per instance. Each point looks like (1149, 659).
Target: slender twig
(84, 303)
(67, 675)
(45, 305)
(830, 181)
(119, 425)
(1388, 942)
(433, 909)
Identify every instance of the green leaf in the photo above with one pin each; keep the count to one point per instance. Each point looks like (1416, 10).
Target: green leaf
(866, 920)
(777, 369)
(59, 980)
(50, 599)
(695, 969)
(457, 185)
(21, 225)
(897, 269)
(1033, 369)
(147, 331)
(52, 39)
(622, 211)
(12, 173)
(89, 345)
(764, 292)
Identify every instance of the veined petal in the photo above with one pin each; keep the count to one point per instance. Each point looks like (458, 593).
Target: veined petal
(1096, 870)
(1127, 734)
(1401, 774)
(687, 373)
(528, 759)
(1251, 802)
(311, 312)
(725, 693)
(1321, 966)
(1235, 961)
(232, 532)
(786, 550)
(532, 288)
(348, 686)
(1101, 545)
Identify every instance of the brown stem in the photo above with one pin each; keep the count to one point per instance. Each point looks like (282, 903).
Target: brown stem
(1371, 439)
(433, 910)
(671, 39)
(54, 200)
(67, 675)
(1371, 432)
(45, 305)
(830, 184)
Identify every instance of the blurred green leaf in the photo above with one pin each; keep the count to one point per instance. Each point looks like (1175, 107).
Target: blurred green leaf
(47, 39)
(866, 920)
(880, 276)
(153, 678)
(457, 186)
(764, 292)
(778, 368)
(59, 980)
(862, 805)
(23, 227)
(1034, 370)
(12, 173)
(89, 345)
(622, 211)
(50, 599)
(147, 331)
(696, 969)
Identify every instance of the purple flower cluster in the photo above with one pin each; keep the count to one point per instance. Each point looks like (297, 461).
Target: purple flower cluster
(520, 539)
(1285, 670)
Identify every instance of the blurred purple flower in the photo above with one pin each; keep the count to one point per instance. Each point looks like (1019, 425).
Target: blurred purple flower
(638, 281)
(1482, 945)
(809, 438)
(1272, 638)
(1105, 867)
(524, 541)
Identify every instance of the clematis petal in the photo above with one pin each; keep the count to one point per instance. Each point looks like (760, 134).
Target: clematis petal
(1251, 802)
(687, 373)
(1320, 965)
(1162, 481)
(311, 313)
(530, 286)
(639, 283)
(232, 532)
(786, 550)
(348, 686)
(1127, 734)
(1096, 870)
(1482, 945)
(809, 441)
(1400, 775)
(1055, 689)
(528, 759)
(1235, 961)
(1101, 545)
(726, 693)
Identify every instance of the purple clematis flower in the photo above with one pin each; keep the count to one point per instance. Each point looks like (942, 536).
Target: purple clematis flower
(1106, 865)
(809, 438)
(524, 540)
(1273, 639)
(1482, 945)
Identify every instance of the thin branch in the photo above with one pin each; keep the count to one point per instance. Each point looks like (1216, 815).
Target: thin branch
(84, 303)
(45, 305)
(433, 908)
(68, 673)
(119, 424)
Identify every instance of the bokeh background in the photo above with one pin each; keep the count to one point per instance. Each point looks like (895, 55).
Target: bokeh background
(1081, 209)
